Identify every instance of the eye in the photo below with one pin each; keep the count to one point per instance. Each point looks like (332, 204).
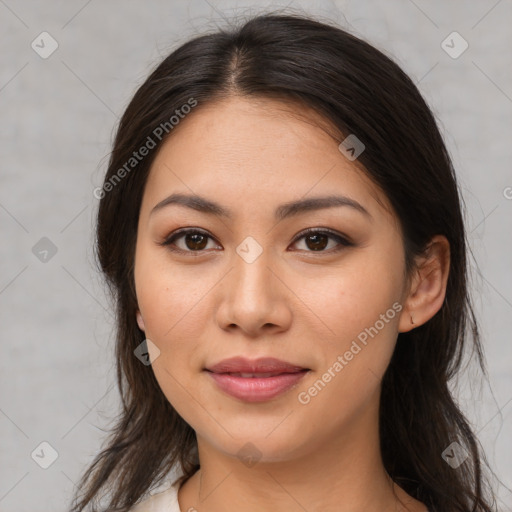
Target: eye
(315, 240)
(194, 240)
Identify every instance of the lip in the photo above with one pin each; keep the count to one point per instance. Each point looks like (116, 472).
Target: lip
(261, 365)
(276, 378)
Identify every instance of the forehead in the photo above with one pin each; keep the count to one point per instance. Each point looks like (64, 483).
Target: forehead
(241, 124)
(257, 147)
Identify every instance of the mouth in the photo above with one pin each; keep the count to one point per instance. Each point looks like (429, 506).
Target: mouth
(260, 367)
(257, 375)
(255, 381)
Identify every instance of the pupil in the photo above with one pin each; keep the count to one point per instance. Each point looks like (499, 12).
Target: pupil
(319, 242)
(195, 241)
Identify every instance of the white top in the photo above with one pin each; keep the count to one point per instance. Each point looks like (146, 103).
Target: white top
(161, 501)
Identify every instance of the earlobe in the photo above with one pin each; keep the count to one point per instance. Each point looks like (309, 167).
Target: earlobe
(140, 321)
(428, 289)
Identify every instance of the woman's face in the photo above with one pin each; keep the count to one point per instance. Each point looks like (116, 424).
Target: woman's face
(246, 282)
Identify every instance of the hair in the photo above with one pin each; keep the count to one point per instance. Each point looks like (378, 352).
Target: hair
(361, 91)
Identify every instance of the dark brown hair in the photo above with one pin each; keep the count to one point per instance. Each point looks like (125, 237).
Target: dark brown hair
(361, 91)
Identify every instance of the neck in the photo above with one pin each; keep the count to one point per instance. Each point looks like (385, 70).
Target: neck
(345, 474)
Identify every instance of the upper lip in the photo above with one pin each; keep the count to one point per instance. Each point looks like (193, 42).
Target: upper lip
(261, 365)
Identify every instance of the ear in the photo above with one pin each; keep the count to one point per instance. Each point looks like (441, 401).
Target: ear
(428, 285)
(140, 321)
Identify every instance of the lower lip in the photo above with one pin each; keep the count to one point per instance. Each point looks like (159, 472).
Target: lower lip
(256, 389)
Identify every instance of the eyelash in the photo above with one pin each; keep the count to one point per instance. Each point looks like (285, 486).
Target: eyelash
(341, 240)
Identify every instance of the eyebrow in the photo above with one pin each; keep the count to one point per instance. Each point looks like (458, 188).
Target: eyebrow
(292, 208)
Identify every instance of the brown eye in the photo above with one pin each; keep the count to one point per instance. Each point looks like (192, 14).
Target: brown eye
(191, 240)
(318, 240)
(196, 241)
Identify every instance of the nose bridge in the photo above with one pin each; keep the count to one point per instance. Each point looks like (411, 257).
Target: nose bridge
(251, 298)
(252, 278)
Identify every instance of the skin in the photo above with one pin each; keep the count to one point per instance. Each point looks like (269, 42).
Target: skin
(293, 303)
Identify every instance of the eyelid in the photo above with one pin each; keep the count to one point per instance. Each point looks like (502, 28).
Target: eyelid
(342, 240)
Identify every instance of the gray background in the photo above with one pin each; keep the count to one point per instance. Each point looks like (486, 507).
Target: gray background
(57, 119)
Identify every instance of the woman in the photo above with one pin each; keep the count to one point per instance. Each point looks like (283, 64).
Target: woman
(281, 228)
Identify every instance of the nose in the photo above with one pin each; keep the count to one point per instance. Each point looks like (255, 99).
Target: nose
(254, 298)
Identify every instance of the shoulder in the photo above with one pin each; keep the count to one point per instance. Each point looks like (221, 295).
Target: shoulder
(162, 500)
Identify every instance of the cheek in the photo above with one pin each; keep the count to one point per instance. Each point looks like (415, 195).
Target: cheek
(170, 302)
(355, 359)
(170, 299)
(361, 308)
(365, 326)
(355, 298)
